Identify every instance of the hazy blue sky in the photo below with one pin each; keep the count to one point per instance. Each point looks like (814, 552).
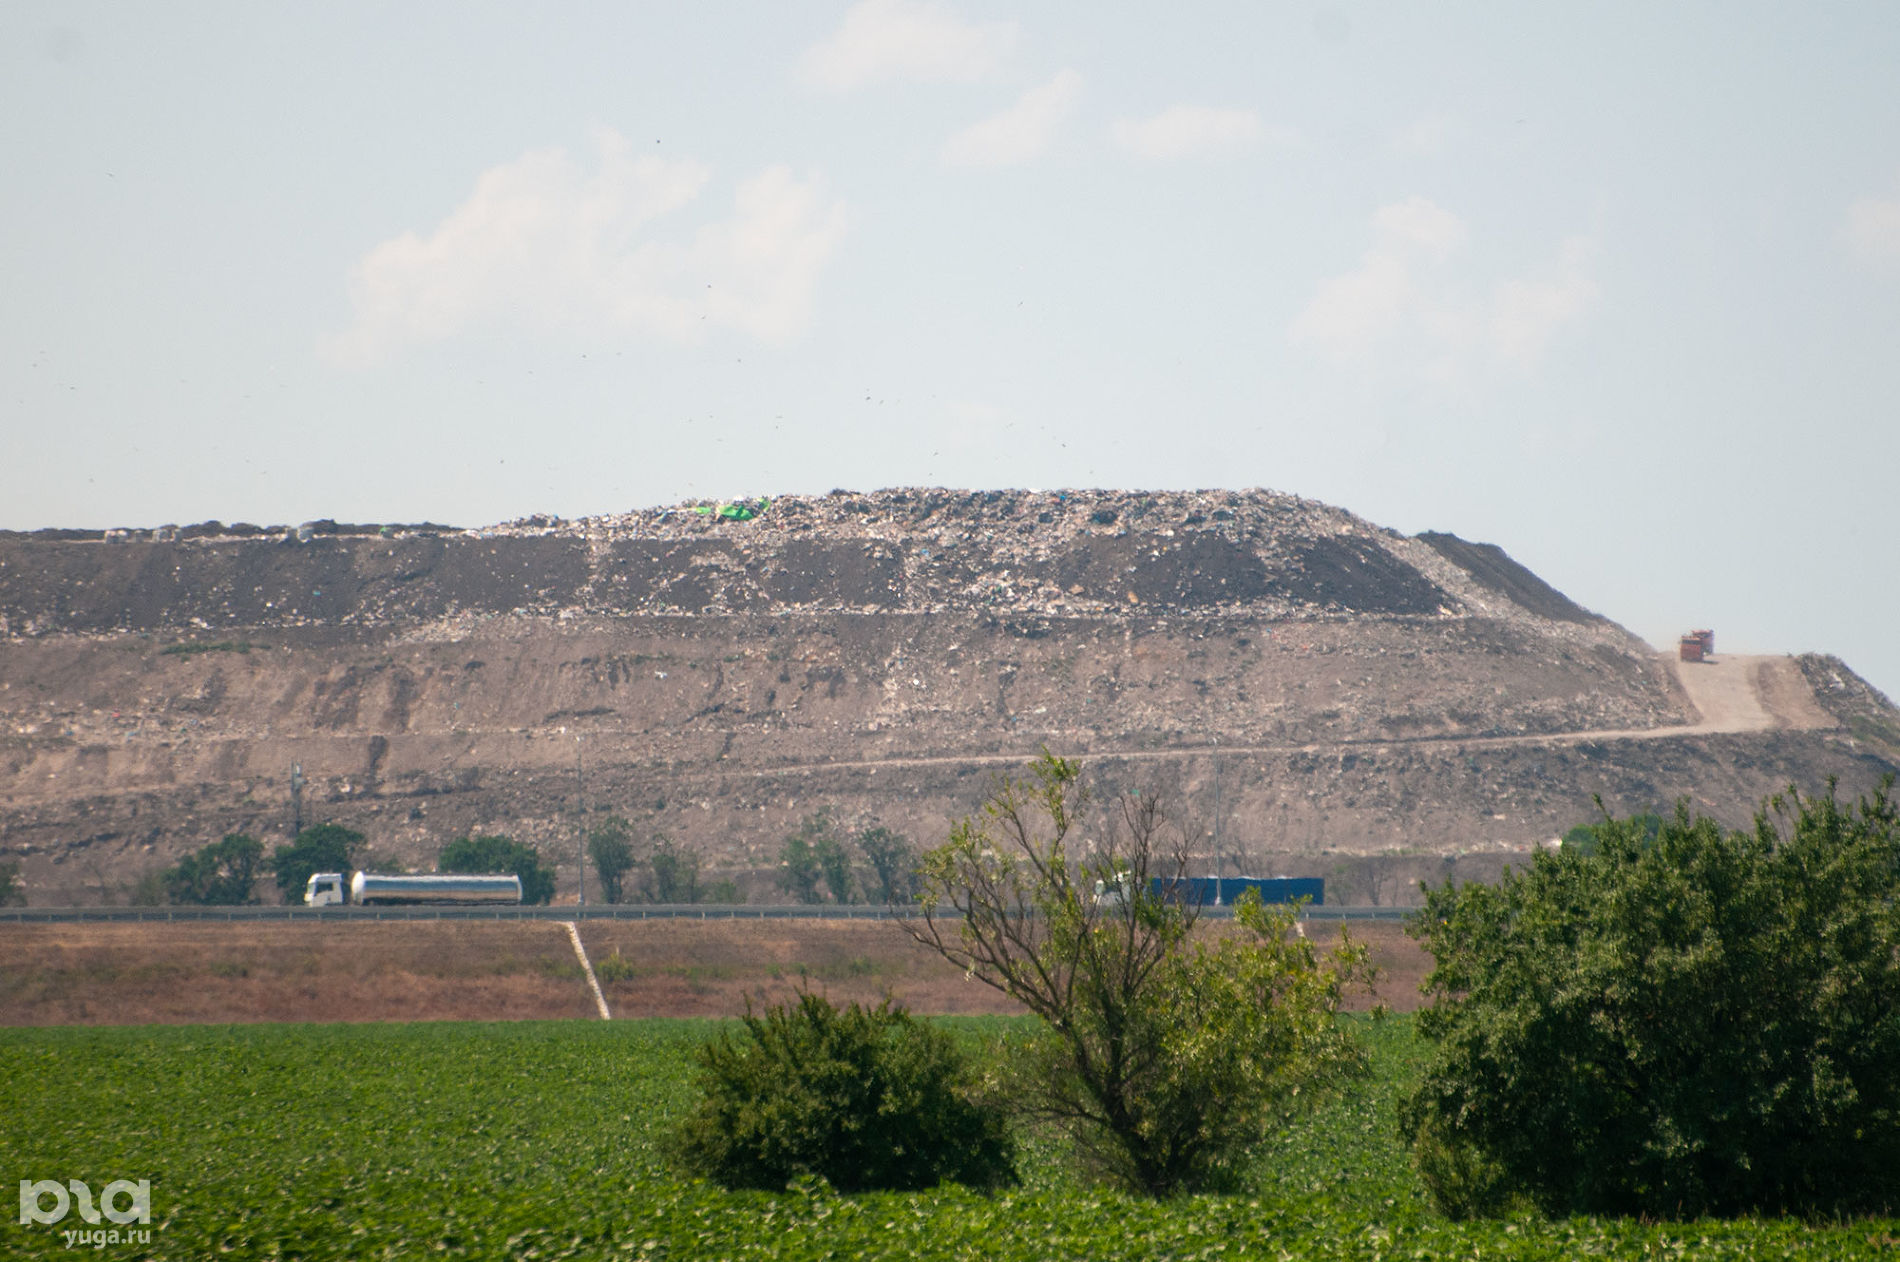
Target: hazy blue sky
(1617, 289)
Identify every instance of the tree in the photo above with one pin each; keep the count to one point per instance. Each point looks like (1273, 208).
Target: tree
(1702, 1023)
(496, 855)
(894, 863)
(799, 858)
(222, 873)
(610, 846)
(1165, 1058)
(675, 871)
(12, 889)
(1371, 877)
(801, 872)
(318, 848)
(834, 861)
(864, 1097)
(1583, 838)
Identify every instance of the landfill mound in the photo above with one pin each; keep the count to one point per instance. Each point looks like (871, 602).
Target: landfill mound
(1323, 696)
(926, 551)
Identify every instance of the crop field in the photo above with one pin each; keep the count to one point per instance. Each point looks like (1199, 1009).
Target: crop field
(539, 1140)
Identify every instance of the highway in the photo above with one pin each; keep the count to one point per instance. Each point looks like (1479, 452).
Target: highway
(602, 911)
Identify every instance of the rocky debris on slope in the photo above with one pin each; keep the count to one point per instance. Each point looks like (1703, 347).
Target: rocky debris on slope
(303, 532)
(1862, 709)
(1490, 568)
(1036, 554)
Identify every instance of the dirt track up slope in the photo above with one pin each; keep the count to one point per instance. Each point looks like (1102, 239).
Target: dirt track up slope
(1730, 695)
(1750, 694)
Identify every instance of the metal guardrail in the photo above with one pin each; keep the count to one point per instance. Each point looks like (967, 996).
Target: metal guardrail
(656, 911)
(1360, 913)
(652, 911)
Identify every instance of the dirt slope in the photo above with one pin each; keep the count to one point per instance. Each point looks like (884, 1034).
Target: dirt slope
(1350, 695)
(1749, 694)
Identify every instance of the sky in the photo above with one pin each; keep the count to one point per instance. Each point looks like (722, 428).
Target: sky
(1613, 286)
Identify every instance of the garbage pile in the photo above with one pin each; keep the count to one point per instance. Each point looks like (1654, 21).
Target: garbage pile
(1017, 554)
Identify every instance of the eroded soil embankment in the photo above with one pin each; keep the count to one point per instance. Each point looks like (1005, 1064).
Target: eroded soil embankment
(122, 757)
(198, 972)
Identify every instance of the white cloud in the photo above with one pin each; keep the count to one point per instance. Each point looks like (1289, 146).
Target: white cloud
(1020, 133)
(1351, 312)
(1190, 131)
(1420, 222)
(1404, 304)
(1527, 311)
(1873, 228)
(905, 40)
(544, 244)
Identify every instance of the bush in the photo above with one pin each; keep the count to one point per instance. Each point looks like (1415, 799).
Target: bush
(318, 848)
(834, 861)
(801, 860)
(220, 874)
(149, 890)
(864, 1097)
(1583, 838)
(1705, 1023)
(674, 871)
(610, 846)
(893, 862)
(496, 856)
(615, 968)
(12, 889)
(816, 856)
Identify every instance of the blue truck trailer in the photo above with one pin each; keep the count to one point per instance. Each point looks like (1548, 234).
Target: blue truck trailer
(1225, 891)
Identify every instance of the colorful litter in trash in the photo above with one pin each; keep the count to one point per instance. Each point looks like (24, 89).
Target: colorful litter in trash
(737, 510)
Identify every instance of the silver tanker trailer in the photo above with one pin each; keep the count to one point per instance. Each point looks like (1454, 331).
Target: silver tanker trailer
(328, 889)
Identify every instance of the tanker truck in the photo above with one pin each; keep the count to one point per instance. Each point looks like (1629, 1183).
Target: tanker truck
(329, 889)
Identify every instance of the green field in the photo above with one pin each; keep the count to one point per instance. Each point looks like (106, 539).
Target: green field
(536, 1140)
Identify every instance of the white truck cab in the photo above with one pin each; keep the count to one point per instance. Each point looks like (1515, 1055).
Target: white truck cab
(326, 889)
(1112, 893)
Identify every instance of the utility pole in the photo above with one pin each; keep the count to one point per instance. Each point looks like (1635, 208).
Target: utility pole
(296, 798)
(580, 836)
(1219, 859)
